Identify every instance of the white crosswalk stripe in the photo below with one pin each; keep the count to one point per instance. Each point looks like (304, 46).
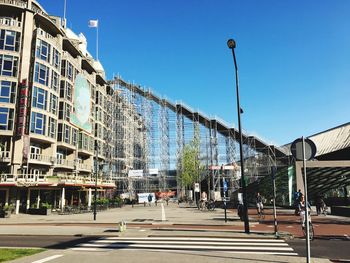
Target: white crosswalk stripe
(226, 245)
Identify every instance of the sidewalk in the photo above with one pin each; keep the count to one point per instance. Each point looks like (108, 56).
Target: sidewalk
(177, 218)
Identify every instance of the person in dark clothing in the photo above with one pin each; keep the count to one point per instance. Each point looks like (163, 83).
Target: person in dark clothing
(150, 198)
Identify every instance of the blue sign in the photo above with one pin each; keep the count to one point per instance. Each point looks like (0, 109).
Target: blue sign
(225, 185)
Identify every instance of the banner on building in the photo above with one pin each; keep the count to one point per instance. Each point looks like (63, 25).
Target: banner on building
(82, 104)
(135, 173)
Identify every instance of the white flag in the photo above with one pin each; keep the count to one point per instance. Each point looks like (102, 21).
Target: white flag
(93, 23)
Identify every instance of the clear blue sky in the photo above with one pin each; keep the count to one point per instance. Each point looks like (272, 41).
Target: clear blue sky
(293, 56)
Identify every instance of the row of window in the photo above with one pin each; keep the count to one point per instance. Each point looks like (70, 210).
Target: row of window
(8, 65)
(6, 118)
(44, 50)
(9, 40)
(7, 91)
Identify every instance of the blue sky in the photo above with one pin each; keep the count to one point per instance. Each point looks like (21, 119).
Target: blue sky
(293, 57)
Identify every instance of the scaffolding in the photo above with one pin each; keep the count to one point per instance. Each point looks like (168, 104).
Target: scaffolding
(150, 136)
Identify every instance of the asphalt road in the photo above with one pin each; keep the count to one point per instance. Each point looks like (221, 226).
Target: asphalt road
(320, 248)
(330, 249)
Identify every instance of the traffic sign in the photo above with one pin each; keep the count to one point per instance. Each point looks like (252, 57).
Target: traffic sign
(297, 149)
(225, 185)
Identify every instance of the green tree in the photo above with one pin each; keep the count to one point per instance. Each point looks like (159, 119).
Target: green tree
(191, 166)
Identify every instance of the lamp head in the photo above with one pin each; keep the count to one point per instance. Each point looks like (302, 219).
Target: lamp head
(231, 43)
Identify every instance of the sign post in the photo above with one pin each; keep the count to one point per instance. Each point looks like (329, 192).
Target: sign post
(224, 183)
(304, 149)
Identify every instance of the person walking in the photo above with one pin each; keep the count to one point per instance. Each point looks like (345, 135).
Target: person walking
(259, 204)
(150, 198)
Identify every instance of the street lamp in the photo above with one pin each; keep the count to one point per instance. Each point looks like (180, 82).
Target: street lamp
(96, 175)
(232, 45)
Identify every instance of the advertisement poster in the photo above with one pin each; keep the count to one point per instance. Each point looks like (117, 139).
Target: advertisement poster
(82, 105)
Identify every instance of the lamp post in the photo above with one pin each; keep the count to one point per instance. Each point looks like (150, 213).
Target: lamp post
(232, 45)
(96, 175)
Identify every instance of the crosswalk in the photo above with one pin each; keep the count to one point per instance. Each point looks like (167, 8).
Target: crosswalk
(224, 245)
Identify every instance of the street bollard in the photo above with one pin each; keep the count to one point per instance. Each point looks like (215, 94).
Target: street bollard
(122, 226)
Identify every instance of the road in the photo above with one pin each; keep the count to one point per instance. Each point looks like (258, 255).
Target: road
(328, 249)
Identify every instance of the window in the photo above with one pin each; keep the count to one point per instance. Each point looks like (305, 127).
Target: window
(52, 128)
(53, 104)
(7, 91)
(59, 134)
(38, 122)
(6, 119)
(35, 152)
(67, 133)
(41, 74)
(9, 40)
(54, 81)
(39, 98)
(56, 58)
(60, 110)
(67, 112)
(69, 71)
(63, 68)
(74, 136)
(43, 50)
(8, 65)
(68, 91)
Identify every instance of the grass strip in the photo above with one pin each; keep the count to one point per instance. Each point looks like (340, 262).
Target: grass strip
(7, 254)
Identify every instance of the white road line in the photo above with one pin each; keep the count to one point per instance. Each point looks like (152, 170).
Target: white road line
(47, 259)
(198, 239)
(264, 248)
(187, 243)
(163, 212)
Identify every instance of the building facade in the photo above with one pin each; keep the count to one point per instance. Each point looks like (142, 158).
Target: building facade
(57, 112)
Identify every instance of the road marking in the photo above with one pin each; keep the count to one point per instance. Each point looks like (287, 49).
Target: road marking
(163, 212)
(47, 259)
(199, 239)
(133, 245)
(188, 243)
(289, 226)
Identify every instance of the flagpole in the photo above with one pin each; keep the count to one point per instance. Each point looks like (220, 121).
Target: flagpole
(64, 13)
(97, 41)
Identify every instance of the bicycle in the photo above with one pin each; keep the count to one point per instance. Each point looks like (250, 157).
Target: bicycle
(210, 205)
(261, 214)
(311, 228)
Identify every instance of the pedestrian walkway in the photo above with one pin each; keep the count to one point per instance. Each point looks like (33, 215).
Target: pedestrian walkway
(224, 245)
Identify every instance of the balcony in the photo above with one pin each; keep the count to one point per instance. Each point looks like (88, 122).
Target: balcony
(5, 156)
(63, 163)
(71, 180)
(41, 159)
(84, 167)
(10, 22)
(7, 180)
(17, 3)
(32, 179)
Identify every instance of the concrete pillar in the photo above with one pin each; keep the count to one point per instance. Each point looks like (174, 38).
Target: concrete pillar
(17, 205)
(28, 199)
(89, 198)
(63, 198)
(299, 176)
(38, 200)
(7, 196)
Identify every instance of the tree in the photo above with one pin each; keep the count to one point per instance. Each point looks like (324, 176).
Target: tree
(191, 167)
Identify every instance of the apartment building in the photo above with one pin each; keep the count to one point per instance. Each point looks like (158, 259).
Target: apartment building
(57, 112)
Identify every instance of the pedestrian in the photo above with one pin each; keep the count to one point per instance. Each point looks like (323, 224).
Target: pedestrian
(150, 198)
(297, 198)
(259, 203)
(320, 204)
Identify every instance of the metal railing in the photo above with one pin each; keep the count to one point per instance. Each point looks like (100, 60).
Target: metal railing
(41, 158)
(10, 22)
(64, 162)
(14, 2)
